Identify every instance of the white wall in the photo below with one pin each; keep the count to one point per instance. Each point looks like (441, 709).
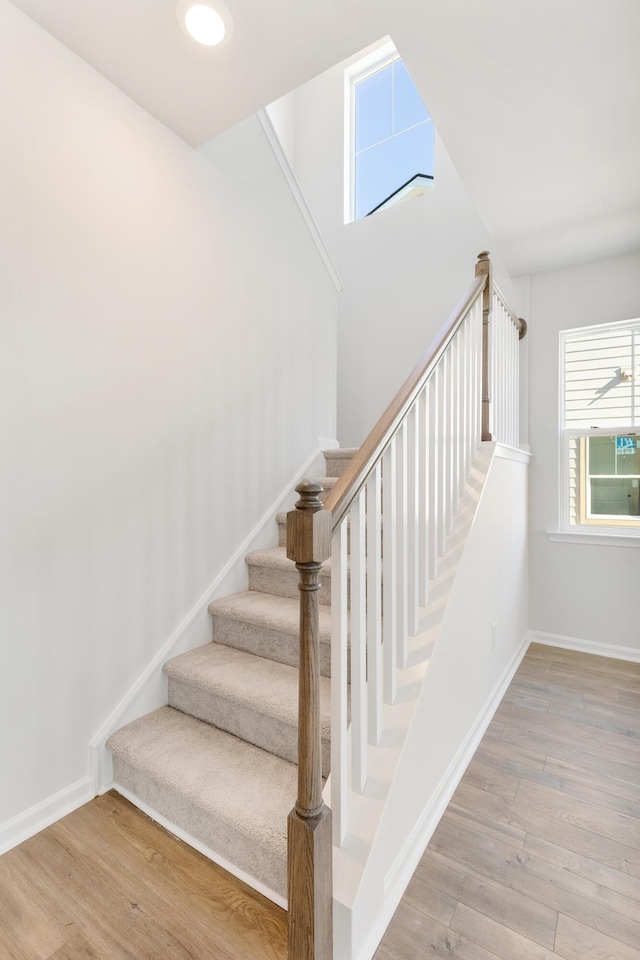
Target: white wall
(577, 590)
(158, 391)
(404, 269)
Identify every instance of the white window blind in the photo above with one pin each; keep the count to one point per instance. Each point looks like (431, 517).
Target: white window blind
(601, 376)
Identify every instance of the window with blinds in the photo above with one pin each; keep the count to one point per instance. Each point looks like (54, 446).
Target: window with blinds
(601, 385)
(600, 412)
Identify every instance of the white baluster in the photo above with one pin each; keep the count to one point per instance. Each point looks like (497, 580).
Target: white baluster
(443, 384)
(415, 519)
(339, 630)
(358, 617)
(434, 470)
(374, 607)
(389, 570)
(424, 465)
(402, 573)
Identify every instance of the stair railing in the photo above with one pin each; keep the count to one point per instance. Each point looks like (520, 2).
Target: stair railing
(403, 488)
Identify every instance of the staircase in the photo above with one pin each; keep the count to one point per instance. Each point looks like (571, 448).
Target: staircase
(219, 761)
(366, 661)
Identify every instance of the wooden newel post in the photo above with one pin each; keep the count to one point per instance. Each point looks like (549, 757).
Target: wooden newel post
(310, 868)
(483, 266)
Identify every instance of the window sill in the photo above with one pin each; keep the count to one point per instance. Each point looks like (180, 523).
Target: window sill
(593, 538)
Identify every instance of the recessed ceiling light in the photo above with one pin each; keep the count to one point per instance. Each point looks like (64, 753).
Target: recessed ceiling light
(207, 23)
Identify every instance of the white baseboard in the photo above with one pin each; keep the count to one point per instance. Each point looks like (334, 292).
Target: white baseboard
(43, 814)
(632, 654)
(200, 847)
(403, 868)
(97, 752)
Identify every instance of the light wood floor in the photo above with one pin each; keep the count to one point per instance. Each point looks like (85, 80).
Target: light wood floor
(106, 883)
(536, 858)
(538, 854)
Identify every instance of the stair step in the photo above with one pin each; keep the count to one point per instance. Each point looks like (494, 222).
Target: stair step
(268, 626)
(271, 572)
(338, 460)
(250, 697)
(228, 794)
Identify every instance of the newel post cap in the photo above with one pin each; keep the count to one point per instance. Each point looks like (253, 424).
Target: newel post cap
(309, 526)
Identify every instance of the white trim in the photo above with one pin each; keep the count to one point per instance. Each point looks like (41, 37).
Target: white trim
(594, 539)
(298, 196)
(614, 652)
(512, 453)
(43, 814)
(199, 846)
(404, 866)
(97, 743)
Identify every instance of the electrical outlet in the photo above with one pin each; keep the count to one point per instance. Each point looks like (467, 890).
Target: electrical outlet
(494, 636)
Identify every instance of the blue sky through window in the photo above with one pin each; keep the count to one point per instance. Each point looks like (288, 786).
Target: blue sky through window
(393, 136)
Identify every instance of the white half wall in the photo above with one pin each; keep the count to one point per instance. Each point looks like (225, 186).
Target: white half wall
(481, 640)
(578, 590)
(159, 391)
(404, 269)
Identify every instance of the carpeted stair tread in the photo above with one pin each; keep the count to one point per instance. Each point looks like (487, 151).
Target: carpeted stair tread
(246, 695)
(267, 625)
(270, 571)
(230, 795)
(338, 460)
(265, 609)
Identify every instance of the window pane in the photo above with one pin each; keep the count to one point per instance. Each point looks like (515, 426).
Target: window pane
(407, 105)
(617, 497)
(381, 170)
(614, 456)
(602, 456)
(373, 108)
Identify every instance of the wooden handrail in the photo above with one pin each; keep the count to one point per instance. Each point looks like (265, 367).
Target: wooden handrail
(352, 480)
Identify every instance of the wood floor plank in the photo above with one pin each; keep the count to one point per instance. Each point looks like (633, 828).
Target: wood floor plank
(592, 776)
(30, 922)
(494, 730)
(485, 825)
(574, 896)
(616, 746)
(527, 756)
(575, 838)
(598, 714)
(567, 733)
(488, 778)
(578, 782)
(183, 878)
(630, 698)
(583, 866)
(413, 935)
(580, 813)
(577, 941)
(77, 948)
(531, 703)
(504, 942)
(427, 898)
(521, 913)
(129, 890)
(595, 756)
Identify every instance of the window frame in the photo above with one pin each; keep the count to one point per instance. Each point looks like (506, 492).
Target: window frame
(376, 59)
(583, 525)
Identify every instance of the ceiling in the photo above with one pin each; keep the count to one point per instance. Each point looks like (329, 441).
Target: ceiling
(538, 104)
